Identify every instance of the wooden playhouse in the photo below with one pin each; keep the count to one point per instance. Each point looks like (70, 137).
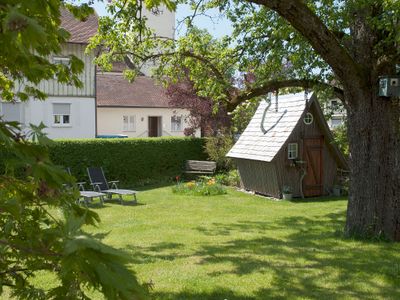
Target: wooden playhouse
(288, 143)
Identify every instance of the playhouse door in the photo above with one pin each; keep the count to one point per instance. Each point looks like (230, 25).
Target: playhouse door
(312, 182)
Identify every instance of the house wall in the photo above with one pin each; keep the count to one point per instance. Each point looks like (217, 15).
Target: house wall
(288, 173)
(258, 176)
(110, 120)
(82, 101)
(53, 88)
(82, 116)
(163, 24)
(337, 111)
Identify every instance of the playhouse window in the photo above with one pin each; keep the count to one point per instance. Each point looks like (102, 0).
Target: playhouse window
(308, 119)
(293, 150)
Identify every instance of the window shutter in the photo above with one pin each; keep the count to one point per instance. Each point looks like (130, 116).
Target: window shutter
(125, 123)
(61, 109)
(132, 123)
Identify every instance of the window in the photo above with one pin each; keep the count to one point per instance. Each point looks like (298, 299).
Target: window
(61, 114)
(308, 118)
(336, 121)
(129, 123)
(11, 111)
(176, 123)
(61, 60)
(293, 150)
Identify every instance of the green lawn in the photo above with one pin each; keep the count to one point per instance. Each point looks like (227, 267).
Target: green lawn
(239, 246)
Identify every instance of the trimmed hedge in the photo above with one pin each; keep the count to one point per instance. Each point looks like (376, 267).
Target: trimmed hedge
(136, 161)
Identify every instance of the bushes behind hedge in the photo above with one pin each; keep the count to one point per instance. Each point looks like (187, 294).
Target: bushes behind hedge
(136, 161)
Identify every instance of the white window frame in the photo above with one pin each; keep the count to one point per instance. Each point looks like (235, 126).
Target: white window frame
(175, 119)
(61, 60)
(293, 150)
(130, 124)
(61, 124)
(308, 118)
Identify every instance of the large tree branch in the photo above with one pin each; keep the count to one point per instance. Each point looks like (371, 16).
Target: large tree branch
(324, 41)
(216, 72)
(274, 85)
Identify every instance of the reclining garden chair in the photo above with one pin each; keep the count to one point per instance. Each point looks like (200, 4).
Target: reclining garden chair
(101, 185)
(86, 196)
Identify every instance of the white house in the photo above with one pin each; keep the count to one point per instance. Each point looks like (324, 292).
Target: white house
(140, 108)
(137, 109)
(337, 113)
(68, 112)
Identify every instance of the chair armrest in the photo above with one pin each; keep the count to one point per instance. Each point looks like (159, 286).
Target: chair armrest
(81, 185)
(114, 184)
(96, 186)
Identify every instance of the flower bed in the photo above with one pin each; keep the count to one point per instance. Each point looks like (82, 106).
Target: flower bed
(204, 186)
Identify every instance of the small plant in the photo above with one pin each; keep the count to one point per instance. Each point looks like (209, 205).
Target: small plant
(287, 192)
(336, 189)
(204, 186)
(230, 178)
(287, 189)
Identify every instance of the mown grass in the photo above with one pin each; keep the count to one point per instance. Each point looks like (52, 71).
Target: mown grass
(239, 246)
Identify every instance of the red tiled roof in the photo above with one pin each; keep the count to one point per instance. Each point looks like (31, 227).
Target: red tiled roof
(114, 90)
(80, 31)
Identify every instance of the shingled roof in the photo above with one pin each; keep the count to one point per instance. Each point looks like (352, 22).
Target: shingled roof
(81, 31)
(113, 90)
(254, 144)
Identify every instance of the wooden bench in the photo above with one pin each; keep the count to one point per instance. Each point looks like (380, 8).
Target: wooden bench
(200, 167)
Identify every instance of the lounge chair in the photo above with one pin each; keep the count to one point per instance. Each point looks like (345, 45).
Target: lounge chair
(101, 185)
(86, 196)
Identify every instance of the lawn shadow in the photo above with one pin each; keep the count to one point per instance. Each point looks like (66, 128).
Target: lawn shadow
(219, 293)
(312, 260)
(306, 257)
(318, 199)
(116, 201)
(159, 251)
(152, 186)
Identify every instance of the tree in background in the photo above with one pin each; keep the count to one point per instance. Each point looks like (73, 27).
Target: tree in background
(41, 226)
(203, 114)
(343, 46)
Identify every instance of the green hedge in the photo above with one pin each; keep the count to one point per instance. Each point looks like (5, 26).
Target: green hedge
(132, 161)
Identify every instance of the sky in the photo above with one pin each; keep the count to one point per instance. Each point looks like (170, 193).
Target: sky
(218, 26)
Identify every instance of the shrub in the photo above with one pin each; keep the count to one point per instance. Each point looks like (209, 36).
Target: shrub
(204, 186)
(230, 178)
(217, 148)
(341, 139)
(132, 161)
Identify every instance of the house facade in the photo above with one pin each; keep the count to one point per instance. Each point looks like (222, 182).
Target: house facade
(288, 145)
(140, 108)
(137, 109)
(68, 112)
(337, 113)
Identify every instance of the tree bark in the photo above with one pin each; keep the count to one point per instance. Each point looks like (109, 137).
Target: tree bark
(374, 201)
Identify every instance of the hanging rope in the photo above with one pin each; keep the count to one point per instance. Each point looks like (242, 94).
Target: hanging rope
(265, 113)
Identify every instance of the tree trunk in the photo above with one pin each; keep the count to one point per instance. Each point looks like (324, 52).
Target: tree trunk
(373, 128)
